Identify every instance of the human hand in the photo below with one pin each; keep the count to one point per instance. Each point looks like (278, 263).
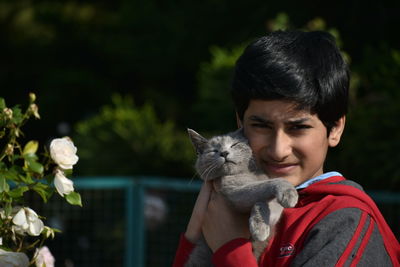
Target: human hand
(222, 224)
(193, 230)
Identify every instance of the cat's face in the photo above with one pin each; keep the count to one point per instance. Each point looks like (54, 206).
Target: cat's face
(222, 155)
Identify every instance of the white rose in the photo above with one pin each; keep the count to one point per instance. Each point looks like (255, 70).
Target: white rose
(13, 259)
(63, 152)
(44, 258)
(63, 185)
(27, 221)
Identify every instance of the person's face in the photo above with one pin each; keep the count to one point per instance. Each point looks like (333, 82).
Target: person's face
(287, 142)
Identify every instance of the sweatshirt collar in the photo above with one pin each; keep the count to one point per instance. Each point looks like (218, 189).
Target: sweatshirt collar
(317, 179)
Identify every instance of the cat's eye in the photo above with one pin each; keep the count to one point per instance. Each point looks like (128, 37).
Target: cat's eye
(235, 144)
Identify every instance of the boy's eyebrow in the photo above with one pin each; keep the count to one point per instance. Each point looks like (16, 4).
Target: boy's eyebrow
(298, 121)
(259, 119)
(290, 121)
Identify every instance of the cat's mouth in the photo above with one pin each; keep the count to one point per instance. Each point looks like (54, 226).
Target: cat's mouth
(229, 161)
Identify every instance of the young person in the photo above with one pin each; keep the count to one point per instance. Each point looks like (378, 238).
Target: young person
(290, 90)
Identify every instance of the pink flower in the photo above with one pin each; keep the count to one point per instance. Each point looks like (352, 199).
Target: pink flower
(44, 258)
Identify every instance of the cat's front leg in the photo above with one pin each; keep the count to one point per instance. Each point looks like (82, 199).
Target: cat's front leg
(285, 193)
(244, 191)
(258, 222)
(263, 218)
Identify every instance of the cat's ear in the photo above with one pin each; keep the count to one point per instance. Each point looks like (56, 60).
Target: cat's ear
(198, 141)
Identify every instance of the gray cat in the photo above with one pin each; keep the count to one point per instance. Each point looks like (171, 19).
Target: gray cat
(229, 159)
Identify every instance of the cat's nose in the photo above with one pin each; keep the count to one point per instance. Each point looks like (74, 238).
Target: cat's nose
(224, 154)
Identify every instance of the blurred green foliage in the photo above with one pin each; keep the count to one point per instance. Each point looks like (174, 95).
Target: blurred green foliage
(369, 150)
(124, 139)
(178, 56)
(214, 110)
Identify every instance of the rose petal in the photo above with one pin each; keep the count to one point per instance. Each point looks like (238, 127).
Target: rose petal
(63, 152)
(63, 185)
(20, 218)
(36, 227)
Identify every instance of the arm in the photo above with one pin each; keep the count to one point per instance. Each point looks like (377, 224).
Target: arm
(226, 233)
(183, 252)
(344, 237)
(244, 191)
(193, 230)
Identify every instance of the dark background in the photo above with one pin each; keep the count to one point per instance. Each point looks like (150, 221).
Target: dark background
(161, 58)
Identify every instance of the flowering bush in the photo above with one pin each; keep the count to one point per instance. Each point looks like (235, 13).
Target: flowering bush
(23, 170)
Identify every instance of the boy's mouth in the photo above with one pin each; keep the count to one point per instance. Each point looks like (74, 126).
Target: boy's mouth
(274, 169)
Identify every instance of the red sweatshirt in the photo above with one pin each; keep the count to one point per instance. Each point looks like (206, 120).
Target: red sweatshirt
(334, 224)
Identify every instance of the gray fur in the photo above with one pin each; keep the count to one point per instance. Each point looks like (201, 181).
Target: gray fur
(228, 159)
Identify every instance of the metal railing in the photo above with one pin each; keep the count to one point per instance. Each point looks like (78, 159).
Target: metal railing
(134, 191)
(181, 193)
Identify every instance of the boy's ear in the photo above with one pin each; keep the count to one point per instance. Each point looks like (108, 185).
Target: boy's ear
(336, 132)
(238, 121)
(198, 141)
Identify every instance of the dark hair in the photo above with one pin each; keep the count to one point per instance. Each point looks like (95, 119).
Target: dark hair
(304, 67)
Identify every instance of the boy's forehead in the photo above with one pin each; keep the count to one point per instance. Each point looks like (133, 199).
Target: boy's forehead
(276, 110)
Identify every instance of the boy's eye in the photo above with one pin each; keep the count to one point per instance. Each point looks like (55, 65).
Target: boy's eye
(300, 127)
(260, 125)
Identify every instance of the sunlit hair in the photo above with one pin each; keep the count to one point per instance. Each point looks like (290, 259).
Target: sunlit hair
(304, 67)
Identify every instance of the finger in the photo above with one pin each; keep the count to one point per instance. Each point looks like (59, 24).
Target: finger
(193, 230)
(213, 196)
(204, 197)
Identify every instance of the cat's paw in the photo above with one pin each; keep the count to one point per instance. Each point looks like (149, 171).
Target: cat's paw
(287, 196)
(259, 231)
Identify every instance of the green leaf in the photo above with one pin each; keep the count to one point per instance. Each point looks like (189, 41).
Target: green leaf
(34, 165)
(31, 147)
(30, 156)
(74, 198)
(18, 192)
(26, 179)
(49, 178)
(13, 174)
(18, 117)
(67, 172)
(4, 187)
(8, 209)
(44, 191)
(2, 103)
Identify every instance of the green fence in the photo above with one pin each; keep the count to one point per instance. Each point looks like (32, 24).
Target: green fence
(136, 221)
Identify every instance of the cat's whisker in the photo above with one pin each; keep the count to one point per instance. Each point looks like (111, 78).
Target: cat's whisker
(209, 170)
(192, 178)
(215, 166)
(205, 173)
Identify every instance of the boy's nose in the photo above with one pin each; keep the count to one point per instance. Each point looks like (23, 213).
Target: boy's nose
(279, 147)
